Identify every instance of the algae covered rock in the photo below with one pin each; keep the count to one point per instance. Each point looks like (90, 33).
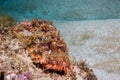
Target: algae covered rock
(7, 21)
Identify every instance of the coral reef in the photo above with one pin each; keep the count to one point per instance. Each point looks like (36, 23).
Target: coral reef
(33, 50)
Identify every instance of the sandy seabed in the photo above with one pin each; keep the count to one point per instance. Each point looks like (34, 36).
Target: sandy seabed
(96, 42)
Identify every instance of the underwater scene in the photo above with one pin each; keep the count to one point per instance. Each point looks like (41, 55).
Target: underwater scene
(59, 39)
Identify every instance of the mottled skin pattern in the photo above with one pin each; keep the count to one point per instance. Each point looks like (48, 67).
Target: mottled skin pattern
(44, 44)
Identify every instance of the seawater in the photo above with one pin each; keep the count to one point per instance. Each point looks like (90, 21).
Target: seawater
(62, 10)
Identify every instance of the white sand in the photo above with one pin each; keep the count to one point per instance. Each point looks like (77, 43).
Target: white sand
(97, 42)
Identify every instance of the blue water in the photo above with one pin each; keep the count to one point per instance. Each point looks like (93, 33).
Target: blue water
(63, 10)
